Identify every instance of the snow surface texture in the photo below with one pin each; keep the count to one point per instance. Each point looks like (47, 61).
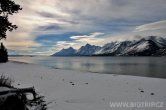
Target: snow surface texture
(139, 47)
(74, 90)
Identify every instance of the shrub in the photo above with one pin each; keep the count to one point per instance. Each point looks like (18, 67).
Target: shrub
(5, 81)
(18, 101)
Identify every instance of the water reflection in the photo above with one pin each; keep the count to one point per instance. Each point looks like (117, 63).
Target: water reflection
(138, 66)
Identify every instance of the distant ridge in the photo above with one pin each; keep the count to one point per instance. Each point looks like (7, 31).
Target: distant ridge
(87, 50)
(66, 52)
(149, 46)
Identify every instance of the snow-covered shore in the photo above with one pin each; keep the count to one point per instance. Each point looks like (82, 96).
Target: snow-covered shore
(74, 90)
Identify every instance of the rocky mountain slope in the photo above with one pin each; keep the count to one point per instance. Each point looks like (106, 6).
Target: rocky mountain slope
(149, 46)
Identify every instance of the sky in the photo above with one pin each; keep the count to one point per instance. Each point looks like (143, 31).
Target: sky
(47, 26)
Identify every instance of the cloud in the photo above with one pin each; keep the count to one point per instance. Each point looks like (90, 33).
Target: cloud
(152, 26)
(92, 35)
(114, 9)
(78, 41)
(115, 18)
(20, 41)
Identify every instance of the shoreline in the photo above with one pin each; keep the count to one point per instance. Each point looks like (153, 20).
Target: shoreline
(74, 90)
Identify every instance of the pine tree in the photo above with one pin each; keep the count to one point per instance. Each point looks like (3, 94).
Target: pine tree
(7, 7)
(3, 53)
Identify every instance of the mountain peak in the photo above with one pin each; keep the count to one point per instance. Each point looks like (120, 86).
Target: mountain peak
(88, 50)
(146, 46)
(88, 44)
(160, 41)
(70, 48)
(66, 52)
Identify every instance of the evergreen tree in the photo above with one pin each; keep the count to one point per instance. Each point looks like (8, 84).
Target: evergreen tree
(7, 7)
(3, 53)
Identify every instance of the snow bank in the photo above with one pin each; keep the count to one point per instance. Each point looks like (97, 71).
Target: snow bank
(74, 90)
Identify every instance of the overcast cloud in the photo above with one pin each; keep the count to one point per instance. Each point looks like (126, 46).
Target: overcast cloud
(46, 26)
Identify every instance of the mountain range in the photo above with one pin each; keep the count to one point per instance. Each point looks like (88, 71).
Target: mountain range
(149, 46)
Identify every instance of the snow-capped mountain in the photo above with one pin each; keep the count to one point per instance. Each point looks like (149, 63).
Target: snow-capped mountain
(146, 46)
(143, 47)
(149, 46)
(113, 48)
(160, 41)
(66, 52)
(87, 50)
